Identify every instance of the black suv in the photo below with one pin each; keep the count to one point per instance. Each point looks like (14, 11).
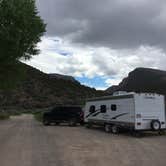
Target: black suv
(71, 115)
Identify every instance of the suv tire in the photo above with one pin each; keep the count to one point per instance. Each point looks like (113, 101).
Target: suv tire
(57, 123)
(72, 122)
(46, 123)
(114, 129)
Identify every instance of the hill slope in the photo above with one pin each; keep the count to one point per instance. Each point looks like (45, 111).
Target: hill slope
(143, 80)
(39, 90)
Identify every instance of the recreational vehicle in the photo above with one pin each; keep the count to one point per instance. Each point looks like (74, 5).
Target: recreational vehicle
(134, 111)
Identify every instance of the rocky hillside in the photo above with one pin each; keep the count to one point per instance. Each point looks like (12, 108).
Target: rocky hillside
(63, 77)
(142, 80)
(38, 90)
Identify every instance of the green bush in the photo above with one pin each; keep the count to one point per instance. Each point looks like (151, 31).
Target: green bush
(15, 113)
(4, 116)
(38, 116)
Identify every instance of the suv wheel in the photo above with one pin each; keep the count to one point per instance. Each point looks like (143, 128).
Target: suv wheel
(46, 123)
(72, 122)
(57, 123)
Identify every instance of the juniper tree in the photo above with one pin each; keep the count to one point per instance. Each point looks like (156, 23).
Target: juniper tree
(20, 30)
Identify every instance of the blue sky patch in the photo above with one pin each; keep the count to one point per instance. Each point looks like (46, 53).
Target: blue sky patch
(92, 82)
(63, 53)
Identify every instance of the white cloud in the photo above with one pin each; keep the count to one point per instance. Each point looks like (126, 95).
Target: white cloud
(111, 64)
(101, 88)
(111, 23)
(113, 81)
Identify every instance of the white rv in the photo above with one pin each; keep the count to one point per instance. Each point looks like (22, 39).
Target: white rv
(135, 111)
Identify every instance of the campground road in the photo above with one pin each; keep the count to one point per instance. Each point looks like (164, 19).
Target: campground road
(26, 142)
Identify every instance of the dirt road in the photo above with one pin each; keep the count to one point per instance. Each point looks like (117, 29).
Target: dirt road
(26, 142)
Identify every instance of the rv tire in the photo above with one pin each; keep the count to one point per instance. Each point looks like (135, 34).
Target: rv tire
(46, 123)
(114, 129)
(107, 128)
(155, 125)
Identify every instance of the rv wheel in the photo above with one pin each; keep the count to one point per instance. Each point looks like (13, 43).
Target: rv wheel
(107, 128)
(155, 125)
(115, 129)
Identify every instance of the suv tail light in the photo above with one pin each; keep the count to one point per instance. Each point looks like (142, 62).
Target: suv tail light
(81, 114)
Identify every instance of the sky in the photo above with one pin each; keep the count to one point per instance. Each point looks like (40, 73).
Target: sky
(100, 41)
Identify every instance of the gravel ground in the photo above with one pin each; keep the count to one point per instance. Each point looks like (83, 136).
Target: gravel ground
(26, 142)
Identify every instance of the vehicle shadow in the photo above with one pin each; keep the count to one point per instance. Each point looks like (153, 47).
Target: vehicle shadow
(62, 125)
(127, 133)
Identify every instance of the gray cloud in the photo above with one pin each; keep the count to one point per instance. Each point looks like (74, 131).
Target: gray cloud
(110, 23)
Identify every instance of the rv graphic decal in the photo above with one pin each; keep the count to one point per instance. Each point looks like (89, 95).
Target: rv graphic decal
(98, 112)
(95, 112)
(119, 115)
(122, 111)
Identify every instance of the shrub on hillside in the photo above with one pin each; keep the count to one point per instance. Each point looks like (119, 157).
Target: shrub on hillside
(4, 116)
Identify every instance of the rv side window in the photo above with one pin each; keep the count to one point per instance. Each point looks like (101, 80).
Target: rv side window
(92, 109)
(113, 107)
(103, 108)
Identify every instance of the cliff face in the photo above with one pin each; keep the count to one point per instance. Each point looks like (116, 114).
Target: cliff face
(63, 77)
(143, 80)
(39, 90)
